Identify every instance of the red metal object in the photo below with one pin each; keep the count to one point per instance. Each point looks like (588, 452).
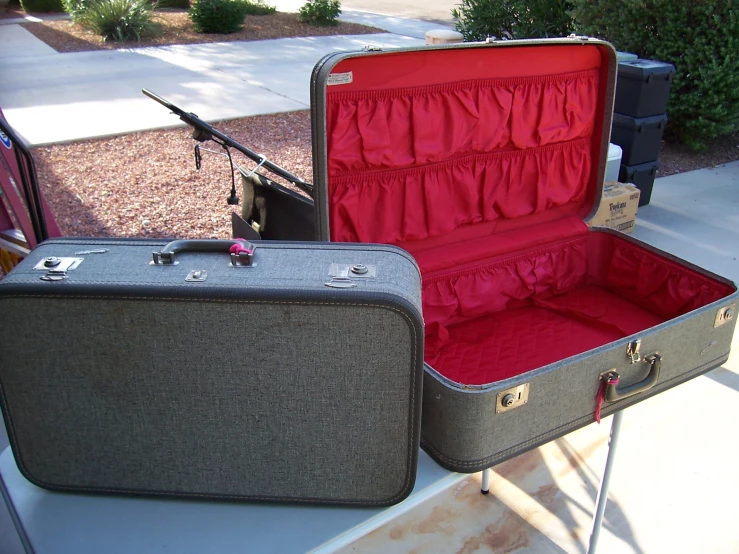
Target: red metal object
(23, 206)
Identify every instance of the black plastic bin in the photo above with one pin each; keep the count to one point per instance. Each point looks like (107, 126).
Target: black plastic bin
(641, 175)
(643, 87)
(639, 138)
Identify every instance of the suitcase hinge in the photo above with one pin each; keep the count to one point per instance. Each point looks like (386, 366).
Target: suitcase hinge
(632, 351)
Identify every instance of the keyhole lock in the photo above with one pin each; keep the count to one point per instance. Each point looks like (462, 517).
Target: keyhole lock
(52, 261)
(512, 398)
(359, 269)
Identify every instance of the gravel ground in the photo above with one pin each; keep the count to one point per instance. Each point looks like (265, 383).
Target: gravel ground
(146, 185)
(175, 27)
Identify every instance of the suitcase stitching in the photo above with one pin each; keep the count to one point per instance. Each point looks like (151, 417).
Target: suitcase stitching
(237, 497)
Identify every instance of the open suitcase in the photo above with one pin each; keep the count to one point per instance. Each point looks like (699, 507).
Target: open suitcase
(279, 371)
(485, 161)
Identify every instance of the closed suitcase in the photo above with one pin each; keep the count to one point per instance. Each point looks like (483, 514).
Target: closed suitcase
(291, 374)
(485, 161)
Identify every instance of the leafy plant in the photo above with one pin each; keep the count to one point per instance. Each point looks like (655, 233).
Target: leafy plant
(75, 8)
(320, 12)
(701, 39)
(257, 7)
(479, 19)
(42, 6)
(217, 16)
(118, 20)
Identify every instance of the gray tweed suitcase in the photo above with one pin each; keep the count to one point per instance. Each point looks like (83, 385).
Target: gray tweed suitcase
(289, 374)
(485, 162)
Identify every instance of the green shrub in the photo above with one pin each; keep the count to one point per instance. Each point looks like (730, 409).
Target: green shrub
(320, 12)
(257, 7)
(118, 20)
(217, 16)
(701, 39)
(479, 19)
(42, 6)
(75, 8)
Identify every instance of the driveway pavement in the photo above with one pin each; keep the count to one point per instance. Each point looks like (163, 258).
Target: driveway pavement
(50, 97)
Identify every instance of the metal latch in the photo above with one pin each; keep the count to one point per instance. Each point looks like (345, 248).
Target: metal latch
(56, 267)
(340, 277)
(632, 351)
(360, 271)
(342, 274)
(510, 399)
(725, 315)
(53, 263)
(196, 276)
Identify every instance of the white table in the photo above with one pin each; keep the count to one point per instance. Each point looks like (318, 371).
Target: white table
(60, 523)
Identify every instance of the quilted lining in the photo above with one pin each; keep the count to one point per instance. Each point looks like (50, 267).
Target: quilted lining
(499, 319)
(505, 344)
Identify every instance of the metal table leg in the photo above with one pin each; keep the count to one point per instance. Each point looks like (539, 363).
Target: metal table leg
(485, 481)
(603, 492)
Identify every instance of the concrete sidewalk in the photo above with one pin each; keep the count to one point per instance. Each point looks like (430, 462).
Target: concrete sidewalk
(50, 97)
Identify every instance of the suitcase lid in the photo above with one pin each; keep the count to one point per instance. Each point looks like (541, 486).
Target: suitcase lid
(438, 145)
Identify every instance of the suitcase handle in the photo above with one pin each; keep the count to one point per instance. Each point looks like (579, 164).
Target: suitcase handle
(242, 252)
(613, 393)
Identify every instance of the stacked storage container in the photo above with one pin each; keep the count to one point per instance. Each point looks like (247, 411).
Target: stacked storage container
(639, 120)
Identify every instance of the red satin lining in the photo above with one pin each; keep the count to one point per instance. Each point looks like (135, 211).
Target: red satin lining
(502, 317)
(432, 200)
(434, 158)
(403, 127)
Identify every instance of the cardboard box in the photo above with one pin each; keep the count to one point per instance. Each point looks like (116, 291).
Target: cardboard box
(618, 207)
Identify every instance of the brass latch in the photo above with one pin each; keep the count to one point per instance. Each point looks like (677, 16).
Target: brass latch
(512, 398)
(632, 351)
(725, 315)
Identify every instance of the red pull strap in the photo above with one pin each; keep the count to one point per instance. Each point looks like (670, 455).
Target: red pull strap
(601, 396)
(238, 249)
